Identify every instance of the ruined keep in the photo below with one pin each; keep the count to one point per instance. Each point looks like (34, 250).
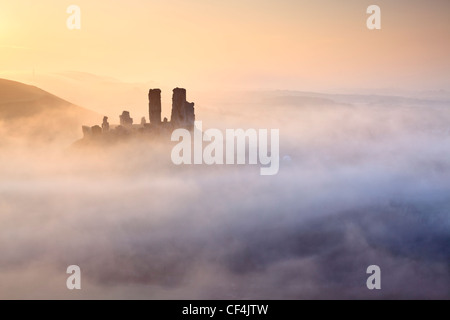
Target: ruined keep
(178, 99)
(182, 111)
(154, 106)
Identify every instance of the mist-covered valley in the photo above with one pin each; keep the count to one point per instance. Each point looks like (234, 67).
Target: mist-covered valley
(363, 180)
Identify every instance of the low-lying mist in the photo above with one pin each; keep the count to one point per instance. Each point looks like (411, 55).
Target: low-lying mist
(358, 185)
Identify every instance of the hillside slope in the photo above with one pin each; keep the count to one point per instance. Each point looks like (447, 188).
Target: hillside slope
(30, 113)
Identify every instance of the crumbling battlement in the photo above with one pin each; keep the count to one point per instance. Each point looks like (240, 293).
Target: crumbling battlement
(183, 116)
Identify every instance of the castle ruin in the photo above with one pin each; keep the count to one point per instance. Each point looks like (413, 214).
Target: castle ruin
(182, 116)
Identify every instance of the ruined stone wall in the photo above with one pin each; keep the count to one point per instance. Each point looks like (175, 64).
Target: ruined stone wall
(189, 115)
(125, 119)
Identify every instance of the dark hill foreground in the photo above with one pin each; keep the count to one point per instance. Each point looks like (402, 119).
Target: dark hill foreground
(30, 114)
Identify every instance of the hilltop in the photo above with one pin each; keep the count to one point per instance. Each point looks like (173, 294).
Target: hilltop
(29, 112)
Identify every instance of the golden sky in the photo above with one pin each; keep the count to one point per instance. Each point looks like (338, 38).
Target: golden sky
(286, 44)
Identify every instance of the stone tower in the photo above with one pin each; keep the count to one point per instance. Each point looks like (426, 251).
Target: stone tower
(105, 124)
(154, 106)
(178, 100)
(183, 114)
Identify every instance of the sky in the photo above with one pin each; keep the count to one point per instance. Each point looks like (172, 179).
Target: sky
(235, 44)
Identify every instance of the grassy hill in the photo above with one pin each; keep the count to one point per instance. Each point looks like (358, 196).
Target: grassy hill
(30, 113)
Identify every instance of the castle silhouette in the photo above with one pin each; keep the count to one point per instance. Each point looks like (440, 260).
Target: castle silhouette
(183, 116)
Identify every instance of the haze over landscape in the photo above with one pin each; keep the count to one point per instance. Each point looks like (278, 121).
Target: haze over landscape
(364, 173)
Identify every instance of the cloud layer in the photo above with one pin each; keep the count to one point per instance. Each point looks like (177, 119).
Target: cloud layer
(358, 185)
